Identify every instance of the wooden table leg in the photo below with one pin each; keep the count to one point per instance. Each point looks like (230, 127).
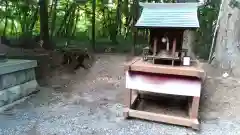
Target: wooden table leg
(129, 102)
(194, 108)
(130, 99)
(193, 111)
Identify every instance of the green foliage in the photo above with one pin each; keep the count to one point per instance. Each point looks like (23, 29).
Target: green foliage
(70, 20)
(234, 4)
(208, 14)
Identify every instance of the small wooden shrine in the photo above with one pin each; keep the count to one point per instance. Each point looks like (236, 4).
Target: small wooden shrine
(165, 66)
(167, 23)
(165, 47)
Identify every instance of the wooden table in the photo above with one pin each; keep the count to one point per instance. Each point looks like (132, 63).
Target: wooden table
(163, 79)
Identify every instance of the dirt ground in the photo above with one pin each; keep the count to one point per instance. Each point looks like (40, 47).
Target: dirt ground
(91, 102)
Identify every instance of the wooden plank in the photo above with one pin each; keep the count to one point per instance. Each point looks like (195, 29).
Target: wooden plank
(163, 84)
(142, 66)
(163, 118)
(160, 56)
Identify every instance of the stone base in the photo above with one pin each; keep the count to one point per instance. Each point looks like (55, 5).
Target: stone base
(17, 81)
(9, 106)
(17, 92)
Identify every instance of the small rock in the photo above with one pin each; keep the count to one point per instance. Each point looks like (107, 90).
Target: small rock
(85, 127)
(225, 75)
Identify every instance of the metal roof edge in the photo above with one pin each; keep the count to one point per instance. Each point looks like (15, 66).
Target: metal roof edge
(167, 5)
(149, 9)
(183, 27)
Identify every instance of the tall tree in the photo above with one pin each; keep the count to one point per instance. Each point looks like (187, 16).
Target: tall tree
(44, 32)
(227, 50)
(54, 13)
(6, 19)
(93, 24)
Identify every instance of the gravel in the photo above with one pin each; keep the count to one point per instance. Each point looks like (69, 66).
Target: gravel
(93, 104)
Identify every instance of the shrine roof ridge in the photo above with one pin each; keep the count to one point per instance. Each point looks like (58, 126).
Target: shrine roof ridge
(176, 15)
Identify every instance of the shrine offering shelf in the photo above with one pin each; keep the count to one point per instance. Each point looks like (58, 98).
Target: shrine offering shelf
(163, 57)
(138, 64)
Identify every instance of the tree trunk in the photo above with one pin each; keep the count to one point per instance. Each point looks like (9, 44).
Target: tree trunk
(76, 21)
(189, 40)
(6, 20)
(54, 12)
(44, 32)
(93, 25)
(134, 29)
(227, 51)
(5, 26)
(35, 18)
(118, 17)
(67, 13)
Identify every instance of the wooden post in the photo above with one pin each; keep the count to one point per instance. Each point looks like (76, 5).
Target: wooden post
(134, 40)
(173, 51)
(155, 47)
(135, 18)
(44, 32)
(193, 108)
(167, 47)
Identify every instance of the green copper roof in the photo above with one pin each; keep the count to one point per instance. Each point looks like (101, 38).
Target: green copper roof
(168, 15)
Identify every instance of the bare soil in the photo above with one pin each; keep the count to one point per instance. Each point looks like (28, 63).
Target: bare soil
(219, 95)
(91, 102)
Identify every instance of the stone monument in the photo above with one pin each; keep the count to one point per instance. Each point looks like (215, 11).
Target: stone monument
(17, 81)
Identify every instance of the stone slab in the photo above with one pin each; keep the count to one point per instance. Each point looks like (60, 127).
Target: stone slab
(16, 78)
(9, 95)
(9, 106)
(3, 57)
(13, 65)
(3, 60)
